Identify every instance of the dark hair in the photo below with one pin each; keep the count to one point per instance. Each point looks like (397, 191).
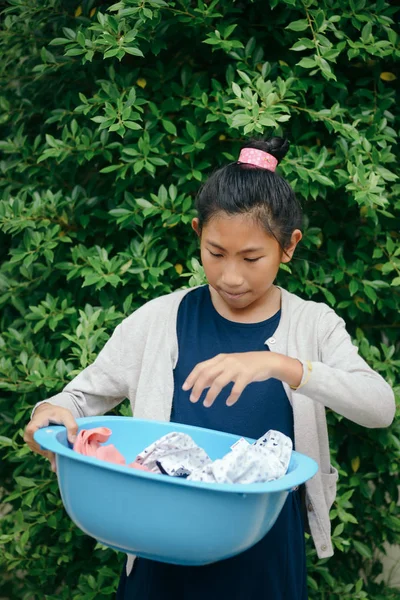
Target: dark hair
(238, 189)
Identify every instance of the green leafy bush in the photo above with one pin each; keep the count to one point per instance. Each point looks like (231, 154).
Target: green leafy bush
(112, 116)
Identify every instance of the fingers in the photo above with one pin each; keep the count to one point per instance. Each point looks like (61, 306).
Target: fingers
(206, 379)
(42, 418)
(220, 383)
(52, 459)
(71, 425)
(236, 391)
(28, 438)
(241, 368)
(217, 385)
(215, 374)
(201, 368)
(30, 429)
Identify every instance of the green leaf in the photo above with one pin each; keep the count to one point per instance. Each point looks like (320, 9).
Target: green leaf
(143, 203)
(353, 287)
(307, 63)
(362, 549)
(69, 33)
(386, 174)
(366, 32)
(24, 538)
(74, 52)
(240, 120)
(74, 127)
(300, 25)
(323, 179)
(192, 131)
(267, 121)
(80, 38)
(59, 42)
(169, 127)
(236, 90)
(244, 76)
(303, 44)
(329, 296)
(5, 441)
(110, 168)
(396, 282)
(338, 530)
(120, 212)
(92, 582)
(133, 51)
(24, 482)
(91, 279)
(132, 125)
(311, 583)
(111, 53)
(370, 293)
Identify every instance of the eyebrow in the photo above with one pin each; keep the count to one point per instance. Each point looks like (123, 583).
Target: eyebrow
(251, 249)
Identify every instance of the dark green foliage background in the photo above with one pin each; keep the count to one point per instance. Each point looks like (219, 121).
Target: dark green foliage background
(111, 117)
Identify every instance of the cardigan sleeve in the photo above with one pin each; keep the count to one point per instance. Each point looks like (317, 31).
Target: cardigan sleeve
(99, 387)
(128, 361)
(344, 382)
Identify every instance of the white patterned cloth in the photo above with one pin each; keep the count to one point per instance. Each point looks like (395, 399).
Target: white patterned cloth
(267, 459)
(176, 454)
(278, 443)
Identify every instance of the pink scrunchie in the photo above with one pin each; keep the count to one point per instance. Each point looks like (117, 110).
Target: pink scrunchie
(258, 158)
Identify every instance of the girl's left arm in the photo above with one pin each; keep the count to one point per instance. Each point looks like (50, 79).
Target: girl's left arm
(342, 381)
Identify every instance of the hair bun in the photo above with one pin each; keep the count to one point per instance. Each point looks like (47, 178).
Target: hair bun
(276, 146)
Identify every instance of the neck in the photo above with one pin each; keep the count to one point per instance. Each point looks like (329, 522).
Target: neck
(260, 310)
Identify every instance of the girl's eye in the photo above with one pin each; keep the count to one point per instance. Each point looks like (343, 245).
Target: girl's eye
(216, 255)
(252, 259)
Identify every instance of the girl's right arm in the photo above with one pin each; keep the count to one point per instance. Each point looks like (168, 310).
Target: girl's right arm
(95, 391)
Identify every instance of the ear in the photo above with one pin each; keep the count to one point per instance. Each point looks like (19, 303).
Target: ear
(289, 250)
(196, 226)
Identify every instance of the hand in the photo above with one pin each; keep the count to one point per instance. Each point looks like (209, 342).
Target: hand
(241, 368)
(45, 414)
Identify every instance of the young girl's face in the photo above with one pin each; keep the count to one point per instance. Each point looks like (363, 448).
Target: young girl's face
(240, 259)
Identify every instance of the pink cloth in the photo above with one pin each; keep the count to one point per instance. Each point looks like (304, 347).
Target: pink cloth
(88, 443)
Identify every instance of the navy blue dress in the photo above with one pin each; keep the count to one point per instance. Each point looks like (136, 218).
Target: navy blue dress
(275, 568)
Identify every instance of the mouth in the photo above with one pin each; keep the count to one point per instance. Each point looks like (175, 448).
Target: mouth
(232, 296)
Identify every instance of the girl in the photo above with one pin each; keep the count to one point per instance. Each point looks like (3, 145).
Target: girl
(243, 356)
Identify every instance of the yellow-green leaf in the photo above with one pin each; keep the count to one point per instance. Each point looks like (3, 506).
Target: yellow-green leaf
(179, 268)
(387, 76)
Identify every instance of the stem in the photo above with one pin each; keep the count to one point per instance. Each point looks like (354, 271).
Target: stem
(313, 33)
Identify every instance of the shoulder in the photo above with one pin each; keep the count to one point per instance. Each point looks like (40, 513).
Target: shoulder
(313, 328)
(159, 309)
(296, 303)
(308, 312)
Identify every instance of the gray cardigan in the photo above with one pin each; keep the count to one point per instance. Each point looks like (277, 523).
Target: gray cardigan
(137, 362)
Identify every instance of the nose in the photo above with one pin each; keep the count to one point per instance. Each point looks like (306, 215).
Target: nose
(231, 277)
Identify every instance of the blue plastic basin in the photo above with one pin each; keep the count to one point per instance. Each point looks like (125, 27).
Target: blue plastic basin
(159, 517)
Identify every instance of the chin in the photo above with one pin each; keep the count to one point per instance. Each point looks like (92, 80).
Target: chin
(240, 302)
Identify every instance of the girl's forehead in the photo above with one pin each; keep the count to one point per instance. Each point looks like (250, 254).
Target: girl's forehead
(237, 229)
